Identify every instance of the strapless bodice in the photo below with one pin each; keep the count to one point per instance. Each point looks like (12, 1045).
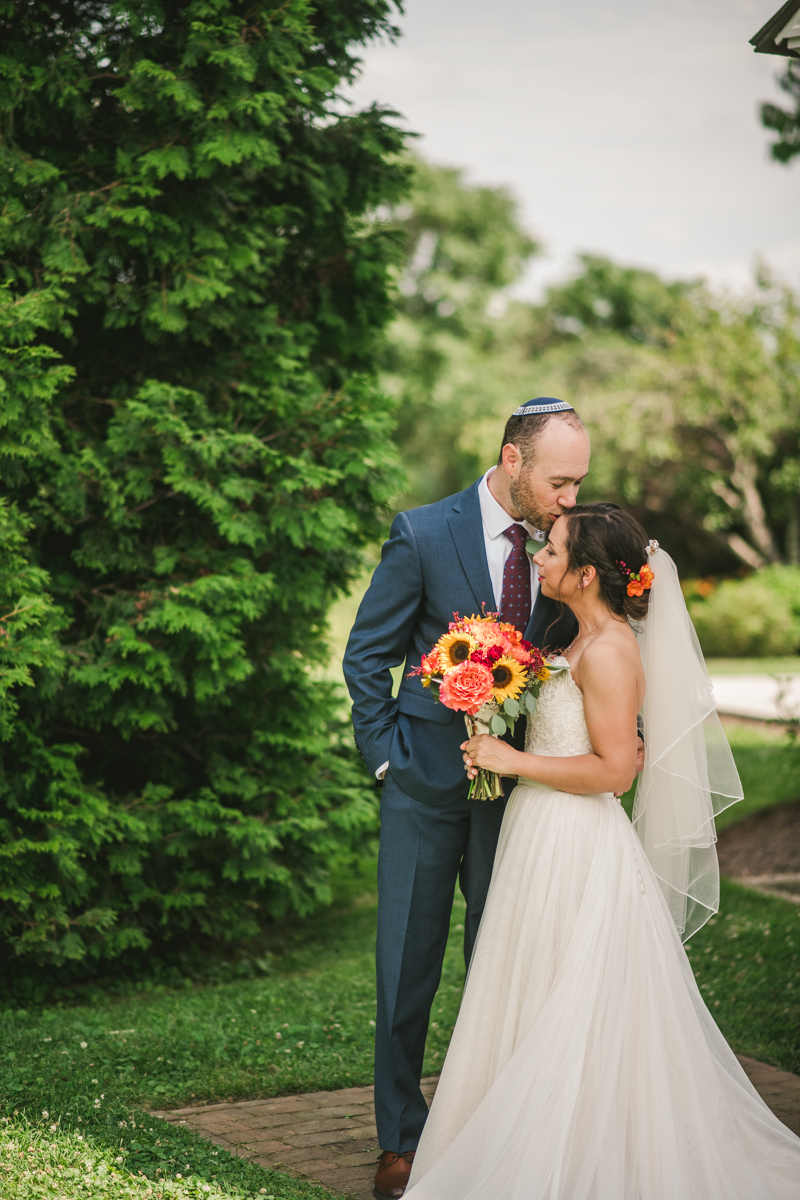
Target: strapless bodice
(558, 727)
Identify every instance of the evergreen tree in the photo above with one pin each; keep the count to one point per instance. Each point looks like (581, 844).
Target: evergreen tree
(193, 451)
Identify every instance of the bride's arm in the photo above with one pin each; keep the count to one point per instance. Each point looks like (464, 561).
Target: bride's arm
(610, 679)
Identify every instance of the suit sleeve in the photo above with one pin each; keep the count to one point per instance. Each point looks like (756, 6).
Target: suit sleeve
(380, 639)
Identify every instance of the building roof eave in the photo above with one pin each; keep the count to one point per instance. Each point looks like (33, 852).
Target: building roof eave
(764, 42)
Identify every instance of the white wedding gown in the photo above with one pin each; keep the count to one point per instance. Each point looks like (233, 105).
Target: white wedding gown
(584, 1064)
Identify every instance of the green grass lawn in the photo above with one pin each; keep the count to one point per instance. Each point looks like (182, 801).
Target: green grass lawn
(788, 665)
(96, 1068)
(769, 767)
(746, 962)
(40, 1159)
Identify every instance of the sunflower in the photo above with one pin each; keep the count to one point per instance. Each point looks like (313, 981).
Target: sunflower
(454, 649)
(509, 678)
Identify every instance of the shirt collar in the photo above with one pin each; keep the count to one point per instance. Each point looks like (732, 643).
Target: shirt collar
(495, 518)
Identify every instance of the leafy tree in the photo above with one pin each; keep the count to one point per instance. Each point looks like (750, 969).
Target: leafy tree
(785, 121)
(605, 297)
(453, 344)
(691, 397)
(692, 403)
(194, 449)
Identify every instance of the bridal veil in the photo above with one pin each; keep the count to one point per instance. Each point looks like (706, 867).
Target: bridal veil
(689, 774)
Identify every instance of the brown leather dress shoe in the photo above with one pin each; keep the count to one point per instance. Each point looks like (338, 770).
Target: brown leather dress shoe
(391, 1177)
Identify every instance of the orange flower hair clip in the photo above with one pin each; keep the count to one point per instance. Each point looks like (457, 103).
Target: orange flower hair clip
(638, 581)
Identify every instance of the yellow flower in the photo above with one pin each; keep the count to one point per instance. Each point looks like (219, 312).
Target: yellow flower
(509, 678)
(454, 649)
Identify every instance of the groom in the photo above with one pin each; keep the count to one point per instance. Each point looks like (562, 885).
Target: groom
(463, 553)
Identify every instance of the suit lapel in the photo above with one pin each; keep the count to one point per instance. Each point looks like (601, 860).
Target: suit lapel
(466, 527)
(540, 617)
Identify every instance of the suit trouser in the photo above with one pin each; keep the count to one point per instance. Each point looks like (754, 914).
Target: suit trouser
(424, 850)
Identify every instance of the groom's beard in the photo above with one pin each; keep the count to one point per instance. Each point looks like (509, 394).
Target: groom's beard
(525, 502)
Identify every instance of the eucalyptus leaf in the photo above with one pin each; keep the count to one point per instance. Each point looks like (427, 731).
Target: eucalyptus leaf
(511, 706)
(531, 703)
(497, 725)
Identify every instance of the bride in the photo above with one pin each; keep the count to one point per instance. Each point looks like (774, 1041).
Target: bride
(584, 1064)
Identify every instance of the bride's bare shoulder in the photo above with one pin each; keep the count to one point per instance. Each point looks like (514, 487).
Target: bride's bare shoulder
(613, 654)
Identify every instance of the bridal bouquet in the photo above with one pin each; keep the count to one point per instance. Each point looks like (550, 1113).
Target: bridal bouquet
(484, 668)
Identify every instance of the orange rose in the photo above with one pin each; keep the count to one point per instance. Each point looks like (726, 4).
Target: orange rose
(467, 687)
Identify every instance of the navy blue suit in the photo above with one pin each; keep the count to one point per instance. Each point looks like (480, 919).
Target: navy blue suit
(434, 564)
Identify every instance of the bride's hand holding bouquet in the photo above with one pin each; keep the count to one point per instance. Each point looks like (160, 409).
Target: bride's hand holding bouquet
(484, 752)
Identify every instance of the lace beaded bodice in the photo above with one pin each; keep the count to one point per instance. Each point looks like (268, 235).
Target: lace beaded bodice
(558, 727)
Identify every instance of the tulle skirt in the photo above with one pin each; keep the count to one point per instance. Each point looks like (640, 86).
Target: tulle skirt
(584, 1064)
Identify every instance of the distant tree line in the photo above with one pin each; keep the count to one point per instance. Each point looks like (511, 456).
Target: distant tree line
(692, 396)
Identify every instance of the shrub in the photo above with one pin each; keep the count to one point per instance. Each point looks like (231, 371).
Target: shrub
(758, 616)
(194, 452)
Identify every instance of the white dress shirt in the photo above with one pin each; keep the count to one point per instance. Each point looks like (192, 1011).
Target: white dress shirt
(498, 547)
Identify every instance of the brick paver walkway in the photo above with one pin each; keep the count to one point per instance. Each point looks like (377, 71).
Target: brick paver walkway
(330, 1137)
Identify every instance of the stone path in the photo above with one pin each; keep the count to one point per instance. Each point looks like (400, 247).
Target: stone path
(779, 1089)
(760, 697)
(324, 1137)
(330, 1137)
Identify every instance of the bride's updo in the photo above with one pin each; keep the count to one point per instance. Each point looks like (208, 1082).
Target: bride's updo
(603, 536)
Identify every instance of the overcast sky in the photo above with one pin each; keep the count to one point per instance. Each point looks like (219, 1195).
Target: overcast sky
(623, 127)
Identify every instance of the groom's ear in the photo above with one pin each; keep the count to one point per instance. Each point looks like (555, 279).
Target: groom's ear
(510, 458)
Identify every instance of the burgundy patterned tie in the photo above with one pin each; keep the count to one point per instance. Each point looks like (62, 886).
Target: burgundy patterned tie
(515, 605)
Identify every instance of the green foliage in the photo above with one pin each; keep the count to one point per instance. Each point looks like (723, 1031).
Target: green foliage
(785, 122)
(691, 400)
(445, 357)
(759, 615)
(604, 296)
(29, 621)
(193, 450)
(691, 397)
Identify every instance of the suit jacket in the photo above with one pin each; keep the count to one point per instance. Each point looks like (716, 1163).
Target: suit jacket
(433, 565)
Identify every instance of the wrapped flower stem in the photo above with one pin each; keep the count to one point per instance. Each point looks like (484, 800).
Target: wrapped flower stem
(486, 785)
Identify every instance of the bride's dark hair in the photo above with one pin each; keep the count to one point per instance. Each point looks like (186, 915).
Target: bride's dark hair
(602, 536)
